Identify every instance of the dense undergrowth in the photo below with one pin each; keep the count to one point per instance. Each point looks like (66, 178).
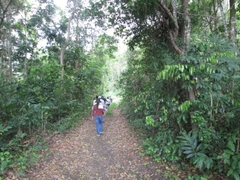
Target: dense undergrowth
(203, 132)
(33, 107)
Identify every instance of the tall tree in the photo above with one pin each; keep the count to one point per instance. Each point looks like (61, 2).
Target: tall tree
(8, 10)
(232, 21)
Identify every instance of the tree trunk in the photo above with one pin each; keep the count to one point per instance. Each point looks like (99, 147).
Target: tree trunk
(4, 6)
(9, 51)
(232, 21)
(63, 49)
(186, 39)
(3, 57)
(171, 18)
(223, 18)
(77, 63)
(25, 56)
(187, 24)
(215, 19)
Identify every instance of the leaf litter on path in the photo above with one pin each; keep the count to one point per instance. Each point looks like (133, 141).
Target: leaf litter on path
(82, 155)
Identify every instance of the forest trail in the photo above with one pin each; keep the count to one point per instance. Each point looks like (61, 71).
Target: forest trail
(82, 155)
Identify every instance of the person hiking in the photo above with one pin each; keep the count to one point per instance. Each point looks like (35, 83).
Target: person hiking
(99, 97)
(97, 115)
(94, 101)
(108, 102)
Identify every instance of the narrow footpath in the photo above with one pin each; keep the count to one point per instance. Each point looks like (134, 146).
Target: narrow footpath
(82, 155)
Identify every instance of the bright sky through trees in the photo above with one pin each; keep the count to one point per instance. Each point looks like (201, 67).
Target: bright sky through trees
(61, 3)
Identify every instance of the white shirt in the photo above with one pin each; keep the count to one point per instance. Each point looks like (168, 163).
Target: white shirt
(102, 102)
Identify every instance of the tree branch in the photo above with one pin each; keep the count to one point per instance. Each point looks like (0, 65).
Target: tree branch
(170, 15)
(4, 13)
(172, 41)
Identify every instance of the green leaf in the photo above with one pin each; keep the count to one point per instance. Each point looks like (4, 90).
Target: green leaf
(219, 157)
(230, 172)
(234, 163)
(188, 152)
(198, 161)
(195, 143)
(198, 147)
(236, 175)
(226, 161)
(230, 145)
(186, 148)
(190, 156)
(208, 162)
(228, 152)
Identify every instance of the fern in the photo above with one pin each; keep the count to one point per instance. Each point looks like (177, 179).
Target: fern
(202, 161)
(189, 145)
(192, 149)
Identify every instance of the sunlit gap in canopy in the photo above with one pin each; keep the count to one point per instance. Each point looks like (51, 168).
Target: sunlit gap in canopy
(90, 26)
(63, 3)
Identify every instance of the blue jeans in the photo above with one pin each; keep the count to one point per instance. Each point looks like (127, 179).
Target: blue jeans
(98, 120)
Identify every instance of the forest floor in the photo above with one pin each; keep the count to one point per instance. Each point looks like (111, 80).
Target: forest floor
(115, 155)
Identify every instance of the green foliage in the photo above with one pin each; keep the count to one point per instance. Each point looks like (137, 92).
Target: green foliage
(149, 121)
(111, 109)
(151, 149)
(231, 158)
(156, 87)
(20, 159)
(5, 160)
(69, 122)
(26, 159)
(42, 102)
(194, 151)
(163, 147)
(195, 177)
(4, 129)
(34, 97)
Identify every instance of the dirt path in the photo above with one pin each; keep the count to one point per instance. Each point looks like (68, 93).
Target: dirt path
(81, 155)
